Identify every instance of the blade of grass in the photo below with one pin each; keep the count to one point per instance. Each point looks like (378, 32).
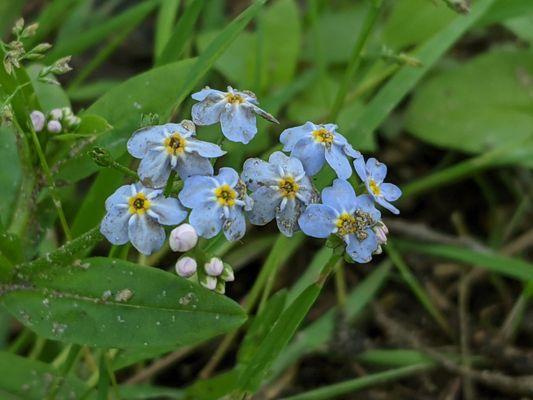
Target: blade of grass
(507, 266)
(353, 385)
(175, 44)
(166, 17)
(416, 287)
(215, 49)
(405, 80)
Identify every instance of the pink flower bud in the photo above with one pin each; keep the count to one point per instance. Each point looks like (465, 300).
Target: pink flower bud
(56, 114)
(186, 267)
(209, 282)
(214, 267)
(37, 119)
(183, 238)
(54, 126)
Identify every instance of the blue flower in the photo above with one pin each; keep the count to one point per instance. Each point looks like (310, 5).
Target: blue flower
(316, 144)
(217, 202)
(281, 190)
(342, 213)
(233, 109)
(373, 174)
(171, 146)
(135, 213)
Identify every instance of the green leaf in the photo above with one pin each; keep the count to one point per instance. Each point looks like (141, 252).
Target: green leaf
(175, 45)
(166, 17)
(93, 125)
(109, 303)
(506, 266)
(146, 392)
(25, 379)
(521, 27)
(381, 105)
(10, 173)
(477, 106)
(50, 95)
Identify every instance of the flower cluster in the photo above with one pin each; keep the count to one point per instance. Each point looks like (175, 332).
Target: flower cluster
(56, 121)
(174, 161)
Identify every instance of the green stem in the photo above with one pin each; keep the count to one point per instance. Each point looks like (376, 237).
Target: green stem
(355, 58)
(340, 285)
(73, 353)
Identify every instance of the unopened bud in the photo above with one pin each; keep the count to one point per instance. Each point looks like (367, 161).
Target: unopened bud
(227, 274)
(37, 120)
(101, 156)
(220, 287)
(56, 114)
(214, 267)
(18, 27)
(41, 48)
(183, 238)
(460, 6)
(186, 267)
(54, 126)
(72, 121)
(30, 30)
(379, 250)
(381, 231)
(189, 125)
(209, 282)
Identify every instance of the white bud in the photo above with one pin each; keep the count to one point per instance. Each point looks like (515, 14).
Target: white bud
(214, 267)
(37, 119)
(54, 126)
(186, 267)
(56, 114)
(221, 287)
(227, 274)
(72, 121)
(379, 250)
(209, 282)
(183, 238)
(381, 231)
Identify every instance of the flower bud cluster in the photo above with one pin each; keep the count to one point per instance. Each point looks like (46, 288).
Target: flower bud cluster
(217, 273)
(57, 121)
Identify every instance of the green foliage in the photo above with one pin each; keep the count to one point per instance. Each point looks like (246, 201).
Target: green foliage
(103, 302)
(10, 173)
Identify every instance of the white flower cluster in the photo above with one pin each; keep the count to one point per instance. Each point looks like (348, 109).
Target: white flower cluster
(56, 121)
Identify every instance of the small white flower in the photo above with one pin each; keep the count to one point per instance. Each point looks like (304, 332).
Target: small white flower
(235, 110)
(186, 267)
(56, 114)
(214, 267)
(37, 119)
(209, 282)
(54, 126)
(183, 238)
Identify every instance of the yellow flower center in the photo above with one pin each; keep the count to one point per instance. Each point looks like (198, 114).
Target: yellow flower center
(288, 187)
(139, 204)
(175, 144)
(234, 98)
(225, 195)
(323, 136)
(374, 187)
(354, 224)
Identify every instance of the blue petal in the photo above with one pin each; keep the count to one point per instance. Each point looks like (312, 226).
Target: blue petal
(340, 196)
(360, 168)
(287, 219)
(376, 170)
(171, 128)
(257, 173)
(145, 234)
(205, 149)
(265, 202)
(191, 164)
(120, 197)
(238, 123)
(307, 192)
(114, 226)
(291, 165)
(365, 202)
(206, 219)
(338, 161)
(228, 176)
(380, 200)
(145, 139)
(361, 252)
(332, 128)
(311, 154)
(318, 220)
(208, 111)
(207, 92)
(168, 210)
(390, 192)
(235, 226)
(289, 137)
(154, 168)
(196, 191)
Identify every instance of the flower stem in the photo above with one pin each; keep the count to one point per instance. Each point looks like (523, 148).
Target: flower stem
(355, 58)
(340, 285)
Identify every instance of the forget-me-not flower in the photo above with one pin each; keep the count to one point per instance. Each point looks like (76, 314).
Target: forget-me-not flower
(234, 110)
(316, 144)
(171, 146)
(347, 215)
(281, 190)
(135, 213)
(373, 174)
(217, 202)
